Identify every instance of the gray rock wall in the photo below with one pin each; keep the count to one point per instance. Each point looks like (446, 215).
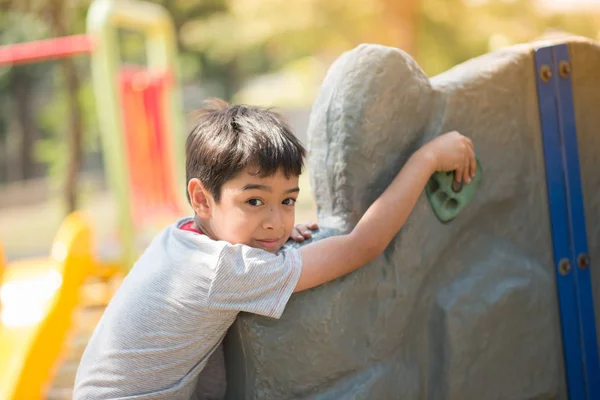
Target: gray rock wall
(463, 310)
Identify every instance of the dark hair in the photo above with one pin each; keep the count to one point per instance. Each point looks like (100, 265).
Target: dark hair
(228, 138)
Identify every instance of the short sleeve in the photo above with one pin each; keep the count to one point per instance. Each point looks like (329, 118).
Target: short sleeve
(254, 280)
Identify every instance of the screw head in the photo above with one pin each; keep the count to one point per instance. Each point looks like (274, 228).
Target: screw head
(545, 73)
(564, 68)
(564, 266)
(583, 260)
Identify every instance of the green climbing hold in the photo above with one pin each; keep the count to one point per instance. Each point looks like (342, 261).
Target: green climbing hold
(448, 197)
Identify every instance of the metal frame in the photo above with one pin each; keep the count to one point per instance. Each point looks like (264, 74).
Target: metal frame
(152, 20)
(567, 220)
(47, 49)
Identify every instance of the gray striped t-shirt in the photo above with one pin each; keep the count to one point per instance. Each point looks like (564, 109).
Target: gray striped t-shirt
(173, 310)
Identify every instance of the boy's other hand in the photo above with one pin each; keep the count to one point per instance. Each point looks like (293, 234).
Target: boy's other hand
(453, 152)
(302, 231)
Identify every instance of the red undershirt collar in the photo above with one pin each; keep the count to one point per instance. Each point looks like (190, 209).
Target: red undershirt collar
(189, 226)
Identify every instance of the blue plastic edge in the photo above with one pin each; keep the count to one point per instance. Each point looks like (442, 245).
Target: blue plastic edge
(559, 224)
(587, 321)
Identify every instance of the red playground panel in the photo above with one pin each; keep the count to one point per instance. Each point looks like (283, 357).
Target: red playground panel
(146, 141)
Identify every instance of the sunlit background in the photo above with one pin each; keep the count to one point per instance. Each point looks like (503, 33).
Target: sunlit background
(267, 52)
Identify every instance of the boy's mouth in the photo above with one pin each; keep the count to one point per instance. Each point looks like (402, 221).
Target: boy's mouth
(268, 243)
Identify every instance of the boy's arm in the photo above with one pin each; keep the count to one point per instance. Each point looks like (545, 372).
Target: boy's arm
(333, 257)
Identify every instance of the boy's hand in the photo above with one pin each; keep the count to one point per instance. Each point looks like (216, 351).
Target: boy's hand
(453, 152)
(302, 231)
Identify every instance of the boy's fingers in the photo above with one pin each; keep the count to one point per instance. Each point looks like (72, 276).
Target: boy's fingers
(301, 231)
(305, 232)
(458, 174)
(296, 235)
(467, 170)
(470, 143)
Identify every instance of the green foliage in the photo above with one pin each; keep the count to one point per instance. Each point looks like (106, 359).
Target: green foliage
(485, 26)
(17, 27)
(51, 148)
(250, 38)
(240, 39)
(26, 22)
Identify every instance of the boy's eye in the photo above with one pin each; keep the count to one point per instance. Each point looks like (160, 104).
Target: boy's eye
(255, 202)
(289, 202)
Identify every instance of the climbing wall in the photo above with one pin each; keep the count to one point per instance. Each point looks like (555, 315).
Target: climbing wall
(465, 309)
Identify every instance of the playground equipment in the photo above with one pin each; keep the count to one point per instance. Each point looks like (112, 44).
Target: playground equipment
(474, 308)
(470, 309)
(142, 133)
(141, 126)
(448, 197)
(37, 296)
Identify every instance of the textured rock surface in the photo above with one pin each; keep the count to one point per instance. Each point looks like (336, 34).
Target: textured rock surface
(465, 310)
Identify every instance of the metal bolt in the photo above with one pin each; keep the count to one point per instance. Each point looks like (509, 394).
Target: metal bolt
(545, 73)
(564, 68)
(583, 260)
(456, 186)
(564, 266)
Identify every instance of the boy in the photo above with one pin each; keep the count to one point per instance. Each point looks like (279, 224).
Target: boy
(174, 307)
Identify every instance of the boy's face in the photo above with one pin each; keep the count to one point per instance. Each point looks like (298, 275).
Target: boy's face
(258, 212)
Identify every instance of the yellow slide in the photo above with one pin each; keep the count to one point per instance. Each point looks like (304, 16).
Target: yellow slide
(37, 299)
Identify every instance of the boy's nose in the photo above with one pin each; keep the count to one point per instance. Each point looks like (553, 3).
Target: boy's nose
(273, 219)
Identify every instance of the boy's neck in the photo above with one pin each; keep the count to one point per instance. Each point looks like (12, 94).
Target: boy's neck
(203, 227)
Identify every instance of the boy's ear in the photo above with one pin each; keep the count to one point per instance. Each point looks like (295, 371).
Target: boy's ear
(199, 197)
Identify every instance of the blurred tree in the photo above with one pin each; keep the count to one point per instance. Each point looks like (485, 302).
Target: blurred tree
(59, 15)
(255, 37)
(225, 43)
(487, 25)
(195, 64)
(229, 41)
(401, 19)
(17, 83)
